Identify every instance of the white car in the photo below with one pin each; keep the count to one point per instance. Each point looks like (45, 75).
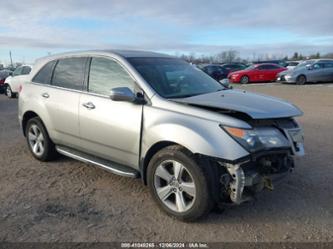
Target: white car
(292, 64)
(13, 82)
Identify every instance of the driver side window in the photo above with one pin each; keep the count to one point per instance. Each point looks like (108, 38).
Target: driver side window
(106, 74)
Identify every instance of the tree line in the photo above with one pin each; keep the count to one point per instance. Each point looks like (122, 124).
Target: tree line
(230, 56)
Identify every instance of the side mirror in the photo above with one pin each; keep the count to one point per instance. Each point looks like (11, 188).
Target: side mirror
(122, 94)
(10, 73)
(309, 67)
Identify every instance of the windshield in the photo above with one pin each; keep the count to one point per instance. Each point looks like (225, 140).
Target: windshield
(174, 78)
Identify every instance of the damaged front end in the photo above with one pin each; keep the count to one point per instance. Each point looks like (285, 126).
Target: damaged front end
(241, 180)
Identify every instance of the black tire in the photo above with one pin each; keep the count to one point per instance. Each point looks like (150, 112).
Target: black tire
(301, 80)
(50, 152)
(244, 80)
(9, 93)
(203, 201)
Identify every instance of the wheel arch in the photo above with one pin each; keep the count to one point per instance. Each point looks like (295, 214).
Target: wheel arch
(26, 117)
(144, 162)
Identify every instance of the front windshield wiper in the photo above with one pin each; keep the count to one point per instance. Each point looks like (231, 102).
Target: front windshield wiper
(183, 96)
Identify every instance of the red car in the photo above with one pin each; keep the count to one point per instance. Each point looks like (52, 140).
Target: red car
(256, 73)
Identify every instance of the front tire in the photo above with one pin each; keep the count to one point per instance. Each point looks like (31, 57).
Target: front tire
(301, 80)
(39, 142)
(244, 80)
(9, 92)
(179, 184)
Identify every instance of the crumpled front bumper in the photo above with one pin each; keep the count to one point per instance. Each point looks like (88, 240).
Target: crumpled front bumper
(243, 180)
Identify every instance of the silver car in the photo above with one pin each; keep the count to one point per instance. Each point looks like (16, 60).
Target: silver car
(309, 71)
(193, 141)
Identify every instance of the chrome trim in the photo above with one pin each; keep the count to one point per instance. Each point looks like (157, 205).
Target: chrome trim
(86, 160)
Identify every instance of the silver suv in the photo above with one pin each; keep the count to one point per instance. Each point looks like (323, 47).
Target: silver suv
(193, 141)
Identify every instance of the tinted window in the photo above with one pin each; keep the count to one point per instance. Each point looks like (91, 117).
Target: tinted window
(45, 74)
(26, 70)
(328, 64)
(69, 73)
(268, 67)
(106, 74)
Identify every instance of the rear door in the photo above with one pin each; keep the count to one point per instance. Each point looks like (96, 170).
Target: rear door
(110, 129)
(273, 70)
(328, 74)
(61, 99)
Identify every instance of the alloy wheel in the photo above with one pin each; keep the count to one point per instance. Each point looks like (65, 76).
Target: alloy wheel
(174, 186)
(36, 140)
(8, 92)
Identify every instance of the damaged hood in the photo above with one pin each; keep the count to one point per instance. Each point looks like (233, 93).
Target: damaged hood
(256, 106)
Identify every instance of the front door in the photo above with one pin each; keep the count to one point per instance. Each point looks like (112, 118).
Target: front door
(110, 129)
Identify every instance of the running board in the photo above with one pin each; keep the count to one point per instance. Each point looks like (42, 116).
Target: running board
(115, 168)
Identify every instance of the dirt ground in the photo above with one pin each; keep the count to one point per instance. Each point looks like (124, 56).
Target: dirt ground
(67, 200)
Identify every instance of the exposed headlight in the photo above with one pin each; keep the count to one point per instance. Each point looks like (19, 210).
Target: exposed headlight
(258, 138)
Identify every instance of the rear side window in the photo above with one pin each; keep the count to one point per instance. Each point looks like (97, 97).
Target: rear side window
(328, 64)
(17, 71)
(69, 73)
(26, 70)
(45, 74)
(106, 74)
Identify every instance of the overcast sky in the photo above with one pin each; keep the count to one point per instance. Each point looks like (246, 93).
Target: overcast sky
(33, 28)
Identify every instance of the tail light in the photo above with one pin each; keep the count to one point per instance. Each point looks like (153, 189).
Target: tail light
(2, 81)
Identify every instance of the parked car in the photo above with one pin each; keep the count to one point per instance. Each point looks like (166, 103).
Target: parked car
(292, 64)
(140, 114)
(217, 72)
(256, 73)
(232, 67)
(13, 82)
(282, 63)
(312, 71)
(281, 76)
(3, 75)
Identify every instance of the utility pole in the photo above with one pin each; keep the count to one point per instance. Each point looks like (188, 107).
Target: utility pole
(11, 60)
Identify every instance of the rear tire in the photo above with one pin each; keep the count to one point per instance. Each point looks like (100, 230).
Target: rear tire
(301, 80)
(39, 142)
(180, 185)
(244, 80)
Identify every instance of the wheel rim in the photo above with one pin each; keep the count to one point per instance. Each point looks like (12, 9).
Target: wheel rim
(174, 186)
(301, 80)
(9, 92)
(36, 140)
(244, 80)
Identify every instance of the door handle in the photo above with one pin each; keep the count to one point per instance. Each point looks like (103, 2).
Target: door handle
(89, 105)
(45, 95)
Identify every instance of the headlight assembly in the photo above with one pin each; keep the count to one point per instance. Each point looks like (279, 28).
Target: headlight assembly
(258, 138)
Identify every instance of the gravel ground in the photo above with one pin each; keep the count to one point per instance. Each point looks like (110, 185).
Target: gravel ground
(69, 201)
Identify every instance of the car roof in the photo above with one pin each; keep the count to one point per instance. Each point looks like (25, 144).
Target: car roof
(121, 53)
(262, 64)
